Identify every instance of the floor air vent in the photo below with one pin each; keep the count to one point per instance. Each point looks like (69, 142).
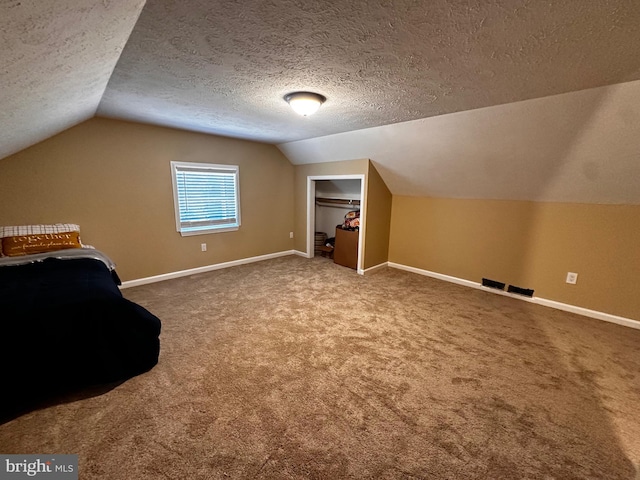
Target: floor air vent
(520, 291)
(492, 284)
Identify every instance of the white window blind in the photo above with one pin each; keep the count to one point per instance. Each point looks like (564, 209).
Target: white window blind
(206, 197)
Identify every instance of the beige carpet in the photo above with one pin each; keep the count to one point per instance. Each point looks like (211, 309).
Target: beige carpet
(301, 369)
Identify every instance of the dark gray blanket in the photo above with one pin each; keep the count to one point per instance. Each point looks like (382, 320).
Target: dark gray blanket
(65, 325)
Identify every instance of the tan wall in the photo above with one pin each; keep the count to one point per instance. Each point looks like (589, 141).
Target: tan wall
(113, 179)
(349, 167)
(378, 211)
(531, 245)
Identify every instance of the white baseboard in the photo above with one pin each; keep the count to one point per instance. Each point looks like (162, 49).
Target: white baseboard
(301, 254)
(607, 317)
(374, 268)
(207, 268)
(439, 276)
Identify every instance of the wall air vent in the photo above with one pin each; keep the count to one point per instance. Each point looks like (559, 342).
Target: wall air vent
(493, 284)
(520, 291)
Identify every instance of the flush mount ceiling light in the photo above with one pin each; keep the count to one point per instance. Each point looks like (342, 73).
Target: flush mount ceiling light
(304, 103)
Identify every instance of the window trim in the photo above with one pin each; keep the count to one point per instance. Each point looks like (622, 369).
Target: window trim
(235, 169)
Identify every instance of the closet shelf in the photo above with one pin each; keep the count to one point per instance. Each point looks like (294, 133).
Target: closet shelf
(337, 202)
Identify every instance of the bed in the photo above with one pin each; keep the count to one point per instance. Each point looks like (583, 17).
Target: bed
(66, 326)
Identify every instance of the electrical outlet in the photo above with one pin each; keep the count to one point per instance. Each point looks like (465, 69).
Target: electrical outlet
(572, 278)
(203, 247)
(290, 234)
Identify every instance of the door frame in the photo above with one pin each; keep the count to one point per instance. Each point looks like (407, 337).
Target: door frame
(311, 213)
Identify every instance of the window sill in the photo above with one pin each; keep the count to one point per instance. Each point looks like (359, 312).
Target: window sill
(206, 231)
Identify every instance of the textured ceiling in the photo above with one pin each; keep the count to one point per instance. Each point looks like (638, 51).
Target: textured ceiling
(446, 90)
(578, 147)
(223, 67)
(55, 61)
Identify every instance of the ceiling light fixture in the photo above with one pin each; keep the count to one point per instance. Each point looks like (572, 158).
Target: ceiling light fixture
(305, 103)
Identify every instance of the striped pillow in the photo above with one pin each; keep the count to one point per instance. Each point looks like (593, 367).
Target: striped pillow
(13, 231)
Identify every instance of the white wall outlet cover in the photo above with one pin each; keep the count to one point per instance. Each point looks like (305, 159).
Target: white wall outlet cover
(203, 247)
(572, 278)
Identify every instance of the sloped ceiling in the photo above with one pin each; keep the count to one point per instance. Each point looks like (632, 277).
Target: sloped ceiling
(223, 67)
(56, 60)
(579, 147)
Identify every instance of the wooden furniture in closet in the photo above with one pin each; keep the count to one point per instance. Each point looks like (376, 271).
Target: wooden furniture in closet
(346, 248)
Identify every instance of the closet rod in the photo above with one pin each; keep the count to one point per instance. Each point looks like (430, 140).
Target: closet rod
(338, 201)
(335, 205)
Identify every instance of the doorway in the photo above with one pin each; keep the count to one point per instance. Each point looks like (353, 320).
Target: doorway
(335, 187)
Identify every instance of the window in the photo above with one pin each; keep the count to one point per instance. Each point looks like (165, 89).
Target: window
(206, 197)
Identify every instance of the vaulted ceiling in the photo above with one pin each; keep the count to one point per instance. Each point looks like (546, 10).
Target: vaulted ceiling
(458, 98)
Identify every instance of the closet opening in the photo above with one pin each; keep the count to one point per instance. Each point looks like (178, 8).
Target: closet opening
(335, 201)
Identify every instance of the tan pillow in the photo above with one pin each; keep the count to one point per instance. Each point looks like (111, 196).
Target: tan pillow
(46, 242)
